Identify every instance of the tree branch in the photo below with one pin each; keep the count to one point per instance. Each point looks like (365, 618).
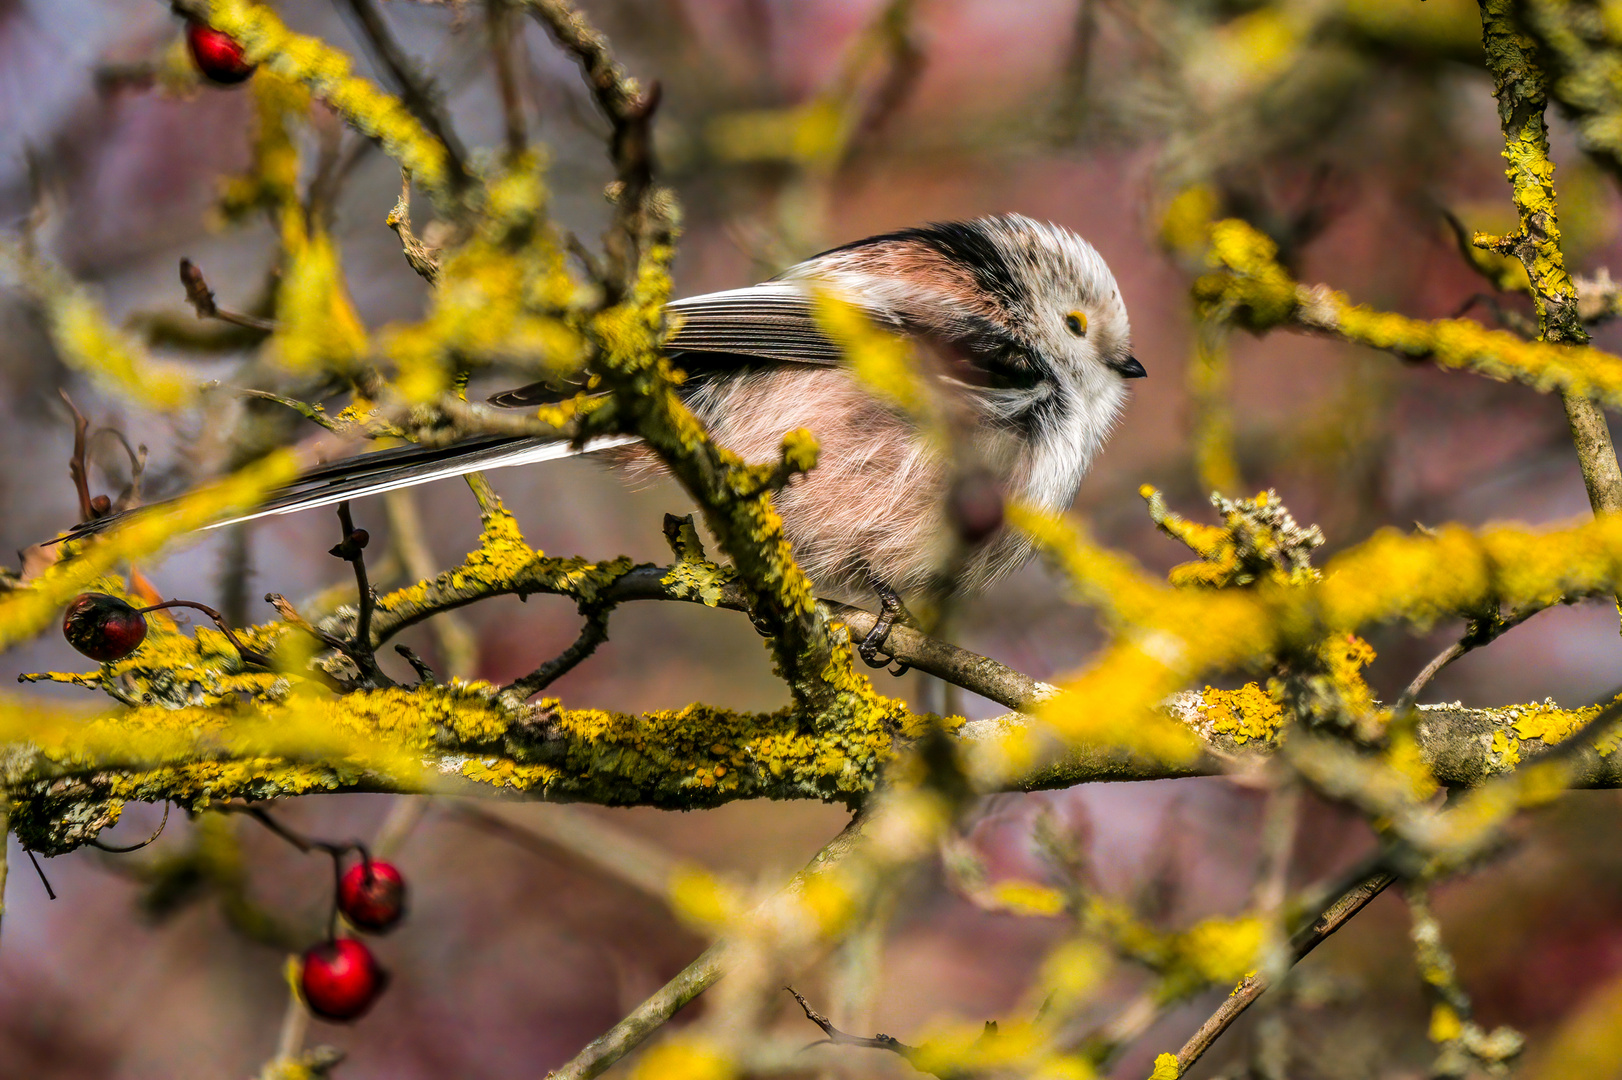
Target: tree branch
(1519, 86)
(1252, 986)
(416, 91)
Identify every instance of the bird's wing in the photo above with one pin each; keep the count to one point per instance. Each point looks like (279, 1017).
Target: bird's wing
(772, 322)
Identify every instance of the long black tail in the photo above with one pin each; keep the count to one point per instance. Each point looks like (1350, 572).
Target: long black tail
(401, 467)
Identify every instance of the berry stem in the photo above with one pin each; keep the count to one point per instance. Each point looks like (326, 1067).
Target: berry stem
(251, 655)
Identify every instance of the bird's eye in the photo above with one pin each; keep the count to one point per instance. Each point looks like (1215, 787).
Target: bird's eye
(1076, 322)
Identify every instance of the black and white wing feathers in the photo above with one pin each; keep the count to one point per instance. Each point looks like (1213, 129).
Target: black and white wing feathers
(773, 322)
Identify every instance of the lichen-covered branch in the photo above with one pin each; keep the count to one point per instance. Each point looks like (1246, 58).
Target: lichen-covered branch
(69, 780)
(505, 566)
(1519, 86)
(417, 92)
(1578, 44)
(1260, 294)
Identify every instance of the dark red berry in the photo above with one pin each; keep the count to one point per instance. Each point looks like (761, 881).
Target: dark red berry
(372, 896)
(341, 979)
(975, 506)
(218, 55)
(103, 627)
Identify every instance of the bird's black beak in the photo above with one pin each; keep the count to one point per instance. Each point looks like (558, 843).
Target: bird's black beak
(1130, 368)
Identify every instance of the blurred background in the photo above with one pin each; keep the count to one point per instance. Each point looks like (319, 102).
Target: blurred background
(1346, 128)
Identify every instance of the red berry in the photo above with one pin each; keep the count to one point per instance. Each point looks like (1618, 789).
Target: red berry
(372, 896)
(218, 55)
(103, 627)
(341, 979)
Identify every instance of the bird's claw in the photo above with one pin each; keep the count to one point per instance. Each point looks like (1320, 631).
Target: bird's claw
(891, 611)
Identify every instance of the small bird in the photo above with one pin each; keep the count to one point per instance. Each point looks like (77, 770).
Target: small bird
(1021, 325)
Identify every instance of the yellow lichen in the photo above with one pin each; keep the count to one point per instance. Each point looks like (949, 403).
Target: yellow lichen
(1445, 1025)
(684, 1058)
(88, 341)
(1262, 295)
(1222, 950)
(1247, 713)
(327, 73)
(1028, 898)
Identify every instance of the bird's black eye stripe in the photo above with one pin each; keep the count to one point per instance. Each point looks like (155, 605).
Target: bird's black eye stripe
(968, 244)
(1010, 368)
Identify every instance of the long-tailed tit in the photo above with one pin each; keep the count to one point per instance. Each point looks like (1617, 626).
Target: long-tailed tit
(1020, 323)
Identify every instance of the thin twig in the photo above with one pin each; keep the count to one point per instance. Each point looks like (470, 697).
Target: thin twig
(127, 848)
(1252, 986)
(419, 665)
(137, 458)
(616, 93)
(498, 19)
(630, 111)
(201, 298)
(581, 836)
(840, 1038)
(295, 1027)
(310, 412)
(43, 880)
(249, 655)
(458, 645)
(351, 549)
(76, 463)
(592, 634)
(289, 614)
(1480, 632)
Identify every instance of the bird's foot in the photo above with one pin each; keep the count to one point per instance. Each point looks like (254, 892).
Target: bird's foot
(891, 611)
